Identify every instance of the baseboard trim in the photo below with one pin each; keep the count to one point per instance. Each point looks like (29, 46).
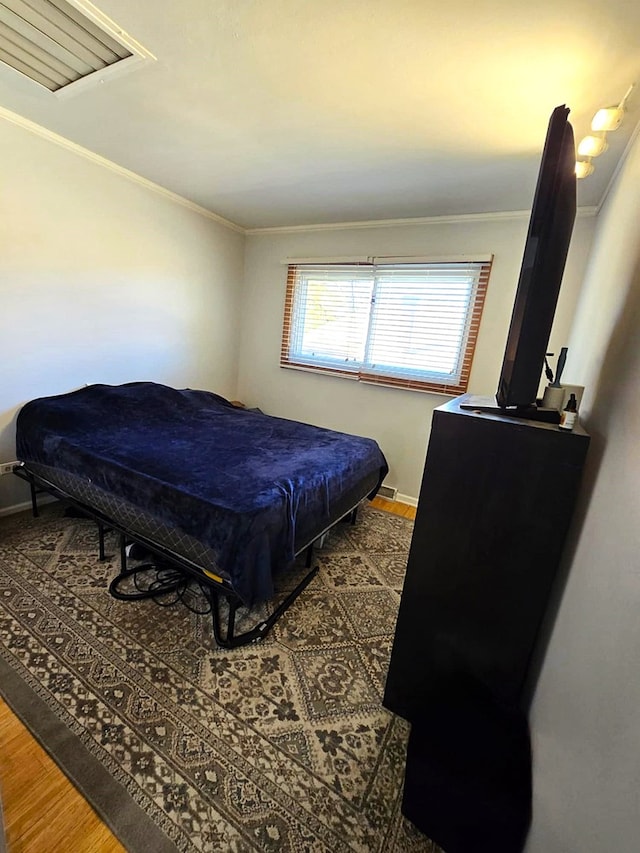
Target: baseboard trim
(16, 508)
(407, 499)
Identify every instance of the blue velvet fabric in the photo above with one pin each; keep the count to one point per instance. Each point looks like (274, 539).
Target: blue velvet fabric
(238, 481)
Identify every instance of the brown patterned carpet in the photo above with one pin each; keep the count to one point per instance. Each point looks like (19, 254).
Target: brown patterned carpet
(280, 746)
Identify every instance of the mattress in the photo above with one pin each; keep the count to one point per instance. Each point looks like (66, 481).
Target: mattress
(245, 490)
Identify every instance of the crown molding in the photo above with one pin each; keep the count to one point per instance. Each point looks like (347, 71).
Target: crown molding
(50, 136)
(500, 216)
(587, 211)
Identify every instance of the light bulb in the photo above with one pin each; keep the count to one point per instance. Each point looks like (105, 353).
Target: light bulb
(583, 168)
(592, 146)
(609, 118)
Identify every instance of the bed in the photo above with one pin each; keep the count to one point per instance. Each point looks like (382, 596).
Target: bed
(227, 495)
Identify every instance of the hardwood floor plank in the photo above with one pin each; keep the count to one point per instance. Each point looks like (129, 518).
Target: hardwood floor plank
(397, 508)
(43, 811)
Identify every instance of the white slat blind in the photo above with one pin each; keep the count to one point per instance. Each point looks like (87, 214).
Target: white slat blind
(419, 320)
(412, 325)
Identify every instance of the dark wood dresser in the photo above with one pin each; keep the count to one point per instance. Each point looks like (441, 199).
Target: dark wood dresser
(496, 501)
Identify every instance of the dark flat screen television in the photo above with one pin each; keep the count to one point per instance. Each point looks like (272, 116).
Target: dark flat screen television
(545, 253)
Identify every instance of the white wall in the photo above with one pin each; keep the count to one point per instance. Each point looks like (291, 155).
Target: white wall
(104, 280)
(586, 711)
(399, 420)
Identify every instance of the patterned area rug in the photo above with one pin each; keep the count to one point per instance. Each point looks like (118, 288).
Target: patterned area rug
(180, 745)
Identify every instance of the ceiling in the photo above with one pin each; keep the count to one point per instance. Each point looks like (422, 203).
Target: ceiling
(297, 112)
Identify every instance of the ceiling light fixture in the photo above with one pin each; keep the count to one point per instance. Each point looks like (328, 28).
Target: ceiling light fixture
(583, 168)
(604, 121)
(592, 146)
(607, 119)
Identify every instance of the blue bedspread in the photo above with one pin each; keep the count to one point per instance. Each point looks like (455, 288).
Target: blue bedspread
(238, 481)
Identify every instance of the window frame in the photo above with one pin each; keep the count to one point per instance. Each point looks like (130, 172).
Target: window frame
(363, 372)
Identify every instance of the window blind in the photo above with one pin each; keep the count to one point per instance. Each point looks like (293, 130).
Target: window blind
(411, 325)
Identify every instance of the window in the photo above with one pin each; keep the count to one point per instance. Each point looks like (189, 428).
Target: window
(409, 323)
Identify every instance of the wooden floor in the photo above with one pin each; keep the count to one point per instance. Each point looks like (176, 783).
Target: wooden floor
(395, 507)
(43, 811)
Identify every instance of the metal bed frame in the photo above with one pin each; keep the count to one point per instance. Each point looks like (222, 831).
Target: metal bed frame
(213, 586)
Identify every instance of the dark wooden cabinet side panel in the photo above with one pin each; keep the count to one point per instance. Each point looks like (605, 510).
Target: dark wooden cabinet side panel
(495, 504)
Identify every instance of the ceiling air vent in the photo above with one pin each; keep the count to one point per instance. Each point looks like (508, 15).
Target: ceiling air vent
(62, 44)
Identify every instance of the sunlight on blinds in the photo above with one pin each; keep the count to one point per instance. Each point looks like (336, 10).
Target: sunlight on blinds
(331, 316)
(419, 320)
(411, 325)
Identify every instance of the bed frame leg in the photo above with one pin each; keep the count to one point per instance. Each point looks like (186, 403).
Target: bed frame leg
(21, 472)
(34, 498)
(260, 631)
(123, 553)
(101, 541)
(228, 640)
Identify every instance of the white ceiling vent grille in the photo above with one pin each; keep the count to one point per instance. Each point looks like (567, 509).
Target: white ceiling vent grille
(61, 44)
